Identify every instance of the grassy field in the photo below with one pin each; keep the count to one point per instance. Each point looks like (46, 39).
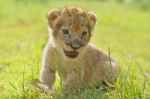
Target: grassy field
(125, 29)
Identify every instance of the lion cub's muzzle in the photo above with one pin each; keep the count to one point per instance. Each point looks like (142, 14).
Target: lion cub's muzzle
(75, 44)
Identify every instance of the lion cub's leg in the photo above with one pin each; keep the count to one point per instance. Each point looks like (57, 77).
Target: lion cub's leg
(106, 71)
(72, 81)
(111, 72)
(47, 73)
(47, 77)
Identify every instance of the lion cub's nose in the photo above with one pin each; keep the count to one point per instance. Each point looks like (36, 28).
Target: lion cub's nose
(75, 44)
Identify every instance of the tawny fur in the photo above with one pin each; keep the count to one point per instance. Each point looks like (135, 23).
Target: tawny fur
(91, 65)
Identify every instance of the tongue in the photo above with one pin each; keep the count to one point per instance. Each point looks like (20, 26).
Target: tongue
(71, 54)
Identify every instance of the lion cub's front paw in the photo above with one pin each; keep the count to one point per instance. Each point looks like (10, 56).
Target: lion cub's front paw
(37, 83)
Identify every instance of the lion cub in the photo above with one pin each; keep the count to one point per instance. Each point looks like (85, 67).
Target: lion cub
(69, 52)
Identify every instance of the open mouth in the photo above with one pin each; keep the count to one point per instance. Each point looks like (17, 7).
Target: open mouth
(71, 54)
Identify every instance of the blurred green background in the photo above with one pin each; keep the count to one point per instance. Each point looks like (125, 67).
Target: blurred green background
(123, 26)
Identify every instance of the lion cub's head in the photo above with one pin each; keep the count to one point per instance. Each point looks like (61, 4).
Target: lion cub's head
(71, 29)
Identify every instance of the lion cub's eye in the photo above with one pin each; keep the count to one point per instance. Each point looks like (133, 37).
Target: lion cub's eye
(65, 31)
(84, 33)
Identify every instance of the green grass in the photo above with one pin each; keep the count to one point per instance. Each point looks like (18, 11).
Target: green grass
(122, 28)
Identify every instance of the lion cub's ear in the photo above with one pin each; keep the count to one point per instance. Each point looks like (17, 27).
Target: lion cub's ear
(53, 16)
(92, 19)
